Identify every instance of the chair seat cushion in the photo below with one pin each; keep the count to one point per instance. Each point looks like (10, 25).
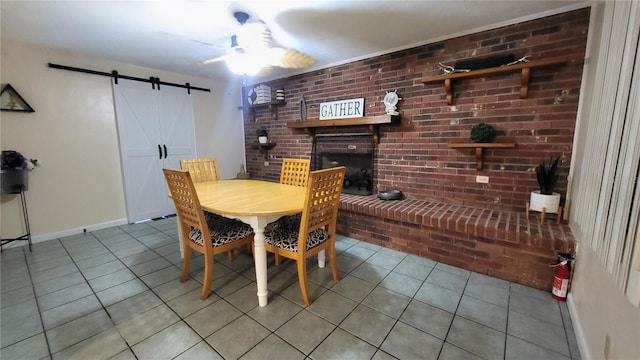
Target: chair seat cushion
(287, 222)
(223, 230)
(288, 238)
(209, 216)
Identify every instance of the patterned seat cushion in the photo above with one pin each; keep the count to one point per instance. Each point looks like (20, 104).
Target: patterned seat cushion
(223, 230)
(287, 222)
(288, 238)
(209, 216)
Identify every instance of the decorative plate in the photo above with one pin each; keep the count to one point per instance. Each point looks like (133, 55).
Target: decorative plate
(391, 99)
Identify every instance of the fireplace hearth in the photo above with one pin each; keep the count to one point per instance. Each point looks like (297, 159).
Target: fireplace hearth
(353, 151)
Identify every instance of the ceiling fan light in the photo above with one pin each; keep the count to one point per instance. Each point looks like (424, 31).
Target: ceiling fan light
(240, 63)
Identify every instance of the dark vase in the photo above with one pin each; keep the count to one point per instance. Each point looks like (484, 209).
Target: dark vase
(13, 181)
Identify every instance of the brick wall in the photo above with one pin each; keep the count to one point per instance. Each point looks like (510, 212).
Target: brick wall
(414, 156)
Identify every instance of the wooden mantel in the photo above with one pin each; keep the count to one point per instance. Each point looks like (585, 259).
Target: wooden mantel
(372, 122)
(523, 67)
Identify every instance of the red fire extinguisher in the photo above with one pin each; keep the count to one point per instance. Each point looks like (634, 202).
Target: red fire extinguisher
(562, 276)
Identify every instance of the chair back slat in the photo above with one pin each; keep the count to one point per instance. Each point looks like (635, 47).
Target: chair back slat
(295, 171)
(321, 203)
(187, 205)
(204, 169)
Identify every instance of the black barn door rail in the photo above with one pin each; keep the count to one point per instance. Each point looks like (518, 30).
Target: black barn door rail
(154, 81)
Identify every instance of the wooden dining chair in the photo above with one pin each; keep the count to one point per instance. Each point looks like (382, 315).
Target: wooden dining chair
(317, 227)
(293, 172)
(203, 233)
(205, 169)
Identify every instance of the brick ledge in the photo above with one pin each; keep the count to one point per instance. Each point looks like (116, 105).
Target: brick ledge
(496, 224)
(503, 244)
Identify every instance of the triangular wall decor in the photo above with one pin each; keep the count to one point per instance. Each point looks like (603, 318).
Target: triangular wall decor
(10, 100)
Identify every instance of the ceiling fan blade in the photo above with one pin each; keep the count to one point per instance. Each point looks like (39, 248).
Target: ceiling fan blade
(193, 40)
(291, 59)
(217, 59)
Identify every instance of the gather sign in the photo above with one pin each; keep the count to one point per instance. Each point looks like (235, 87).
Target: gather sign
(350, 108)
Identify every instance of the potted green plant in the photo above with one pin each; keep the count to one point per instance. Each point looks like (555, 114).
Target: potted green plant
(262, 134)
(545, 199)
(482, 133)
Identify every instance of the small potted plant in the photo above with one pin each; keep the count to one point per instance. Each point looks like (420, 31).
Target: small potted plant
(545, 200)
(482, 133)
(262, 135)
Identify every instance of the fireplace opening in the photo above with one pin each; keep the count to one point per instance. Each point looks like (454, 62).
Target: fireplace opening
(353, 151)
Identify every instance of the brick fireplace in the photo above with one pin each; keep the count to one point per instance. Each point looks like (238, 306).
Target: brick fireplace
(355, 152)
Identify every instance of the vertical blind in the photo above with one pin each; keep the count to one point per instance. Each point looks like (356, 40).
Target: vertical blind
(607, 175)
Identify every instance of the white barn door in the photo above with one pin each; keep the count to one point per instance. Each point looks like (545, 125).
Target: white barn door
(156, 130)
(177, 128)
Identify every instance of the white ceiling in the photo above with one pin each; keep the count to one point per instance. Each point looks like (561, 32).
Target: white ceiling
(178, 35)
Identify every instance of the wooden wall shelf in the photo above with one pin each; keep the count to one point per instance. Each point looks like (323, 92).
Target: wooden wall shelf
(479, 149)
(373, 123)
(273, 106)
(523, 67)
(264, 149)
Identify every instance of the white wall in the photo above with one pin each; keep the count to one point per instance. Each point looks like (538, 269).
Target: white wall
(600, 309)
(73, 134)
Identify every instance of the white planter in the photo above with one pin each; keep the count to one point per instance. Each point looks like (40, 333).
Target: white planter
(539, 201)
(263, 139)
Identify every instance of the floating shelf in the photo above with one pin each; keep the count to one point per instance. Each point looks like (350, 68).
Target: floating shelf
(523, 67)
(373, 123)
(273, 106)
(264, 149)
(479, 149)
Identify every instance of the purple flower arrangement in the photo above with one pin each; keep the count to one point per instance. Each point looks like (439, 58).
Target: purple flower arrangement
(13, 160)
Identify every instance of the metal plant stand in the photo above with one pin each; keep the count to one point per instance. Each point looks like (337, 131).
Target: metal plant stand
(25, 215)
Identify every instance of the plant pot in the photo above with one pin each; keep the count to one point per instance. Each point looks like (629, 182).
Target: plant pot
(14, 181)
(539, 201)
(263, 140)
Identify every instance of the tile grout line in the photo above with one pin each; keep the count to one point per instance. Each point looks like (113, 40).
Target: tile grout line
(163, 302)
(44, 331)
(405, 309)
(506, 330)
(241, 272)
(444, 341)
(221, 298)
(306, 308)
(94, 294)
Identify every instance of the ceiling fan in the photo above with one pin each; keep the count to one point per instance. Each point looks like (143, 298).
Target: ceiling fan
(252, 49)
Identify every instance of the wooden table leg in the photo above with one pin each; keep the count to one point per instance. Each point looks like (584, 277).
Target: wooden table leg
(258, 224)
(260, 256)
(322, 257)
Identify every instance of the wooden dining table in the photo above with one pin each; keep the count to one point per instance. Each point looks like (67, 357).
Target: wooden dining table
(254, 202)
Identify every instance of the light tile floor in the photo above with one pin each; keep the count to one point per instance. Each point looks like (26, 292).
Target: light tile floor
(115, 293)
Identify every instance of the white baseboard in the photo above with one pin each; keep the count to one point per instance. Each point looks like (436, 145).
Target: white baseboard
(69, 232)
(585, 354)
